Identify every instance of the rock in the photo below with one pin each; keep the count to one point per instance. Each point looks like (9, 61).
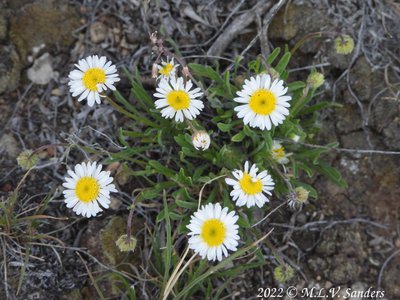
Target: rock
(339, 61)
(98, 32)
(296, 21)
(10, 68)
(100, 238)
(358, 140)
(356, 290)
(9, 146)
(348, 119)
(101, 235)
(3, 26)
(42, 70)
(391, 279)
(385, 119)
(345, 269)
(47, 22)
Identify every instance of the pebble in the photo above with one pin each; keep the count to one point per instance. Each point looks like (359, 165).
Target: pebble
(98, 32)
(42, 70)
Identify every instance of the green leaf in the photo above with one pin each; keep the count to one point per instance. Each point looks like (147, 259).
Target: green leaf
(224, 127)
(271, 58)
(331, 173)
(206, 71)
(181, 178)
(161, 169)
(283, 62)
(319, 106)
(238, 137)
(186, 204)
(295, 86)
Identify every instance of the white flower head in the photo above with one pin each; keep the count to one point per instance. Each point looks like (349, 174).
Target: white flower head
(167, 69)
(93, 76)
(249, 187)
(213, 231)
(279, 153)
(177, 100)
(86, 188)
(264, 102)
(201, 140)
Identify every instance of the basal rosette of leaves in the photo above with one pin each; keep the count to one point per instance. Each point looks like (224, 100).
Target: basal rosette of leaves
(160, 156)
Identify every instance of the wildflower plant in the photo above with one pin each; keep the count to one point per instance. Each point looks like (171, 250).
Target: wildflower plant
(192, 139)
(188, 145)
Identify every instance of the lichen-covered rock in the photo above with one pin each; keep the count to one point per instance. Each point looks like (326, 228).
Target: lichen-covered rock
(3, 25)
(296, 21)
(46, 22)
(10, 68)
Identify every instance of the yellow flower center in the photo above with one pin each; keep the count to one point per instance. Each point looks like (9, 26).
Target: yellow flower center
(263, 102)
(249, 186)
(178, 99)
(165, 70)
(87, 189)
(93, 77)
(279, 152)
(213, 232)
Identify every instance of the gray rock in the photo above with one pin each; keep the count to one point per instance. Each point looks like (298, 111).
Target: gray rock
(42, 70)
(10, 68)
(98, 32)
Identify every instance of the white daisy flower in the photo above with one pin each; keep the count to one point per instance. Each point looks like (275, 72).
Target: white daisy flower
(86, 188)
(94, 76)
(177, 100)
(167, 69)
(249, 188)
(278, 153)
(201, 140)
(263, 102)
(213, 231)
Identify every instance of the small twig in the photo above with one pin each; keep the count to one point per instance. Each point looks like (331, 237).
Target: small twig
(348, 150)
(237, 26)
(91, 277)
(168, 286)
(384, 266)
(208, 182)
(270, 213)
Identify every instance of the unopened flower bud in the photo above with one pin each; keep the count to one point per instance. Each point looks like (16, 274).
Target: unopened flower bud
(315, 80)
(298, 197)
(294, 137)
(27, 159)
(124, 244)
(344, 44)
(283, 273)
(201, 140)
(301, 194)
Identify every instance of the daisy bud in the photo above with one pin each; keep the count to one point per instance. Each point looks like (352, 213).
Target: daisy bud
(344, 44)
(126, 245)
(27, 159)
(298, 197)
(315, 80)
(301, 194)
(294, 137)
(201, 140)
(283, 273)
